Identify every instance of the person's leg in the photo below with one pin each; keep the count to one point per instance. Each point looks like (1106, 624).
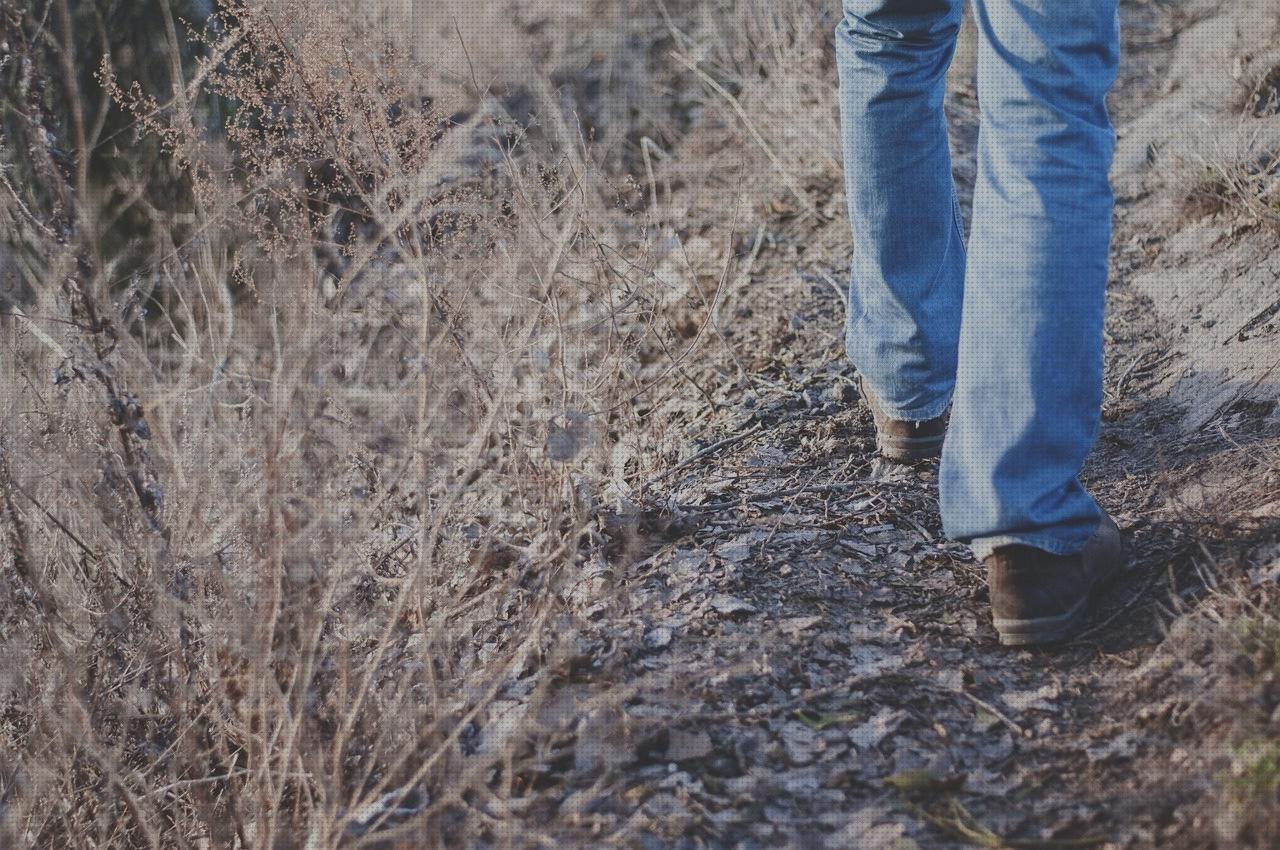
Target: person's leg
(1029, 384)
(908, 265)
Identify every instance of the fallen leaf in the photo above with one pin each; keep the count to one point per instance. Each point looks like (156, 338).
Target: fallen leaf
(738, 549)
(924, 781)
(687, 566)
(882, 725)
(796, 625)
(1041, 699)
(856, 547)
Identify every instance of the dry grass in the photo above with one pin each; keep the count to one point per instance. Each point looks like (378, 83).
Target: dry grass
(1210, 685)
(341, 421)
(1243, 186)
(1237, 173)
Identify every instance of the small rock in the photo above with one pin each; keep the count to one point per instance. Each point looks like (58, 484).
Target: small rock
(564, 442)
(780, 815)
(802, 782)
(1269, 573)
(842, 392)
(725, 766)
(1122, 747)
(667, 809)
(742, 786)
(951, 678)
(688, 745)
(731, 605)
(883, 836)
(800, 743)
(870, 660)
(767, 456)
(680, 781)
(658, 638)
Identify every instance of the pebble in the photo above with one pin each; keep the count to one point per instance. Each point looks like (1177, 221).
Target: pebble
(658, 638)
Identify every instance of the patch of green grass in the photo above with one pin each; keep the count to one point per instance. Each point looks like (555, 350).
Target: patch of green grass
(950, 815)
(1256, 771)
(1260, 636)
(819, 722)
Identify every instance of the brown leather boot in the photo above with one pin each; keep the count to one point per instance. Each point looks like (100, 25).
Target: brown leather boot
(1037, 597)
(902, 440)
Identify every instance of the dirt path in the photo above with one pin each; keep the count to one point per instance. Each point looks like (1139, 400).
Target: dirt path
(800, 659)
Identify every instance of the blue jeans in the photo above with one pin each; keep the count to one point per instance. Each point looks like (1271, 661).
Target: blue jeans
(1008, 332)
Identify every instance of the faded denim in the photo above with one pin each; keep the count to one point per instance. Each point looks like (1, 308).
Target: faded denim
(1009, 331)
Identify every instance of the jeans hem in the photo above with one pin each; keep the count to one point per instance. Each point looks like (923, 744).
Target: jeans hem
(982, 547)
(919, 414)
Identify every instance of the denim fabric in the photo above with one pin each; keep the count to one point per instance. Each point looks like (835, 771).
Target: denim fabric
(1009, 332)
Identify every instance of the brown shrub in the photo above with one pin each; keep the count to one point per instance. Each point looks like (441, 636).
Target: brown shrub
(321, 458)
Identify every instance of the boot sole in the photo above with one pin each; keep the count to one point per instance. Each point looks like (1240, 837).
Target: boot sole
(911, 449)
(1042, 629)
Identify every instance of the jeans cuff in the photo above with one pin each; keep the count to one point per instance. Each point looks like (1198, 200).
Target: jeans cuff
(982, 547)
(932, 410)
